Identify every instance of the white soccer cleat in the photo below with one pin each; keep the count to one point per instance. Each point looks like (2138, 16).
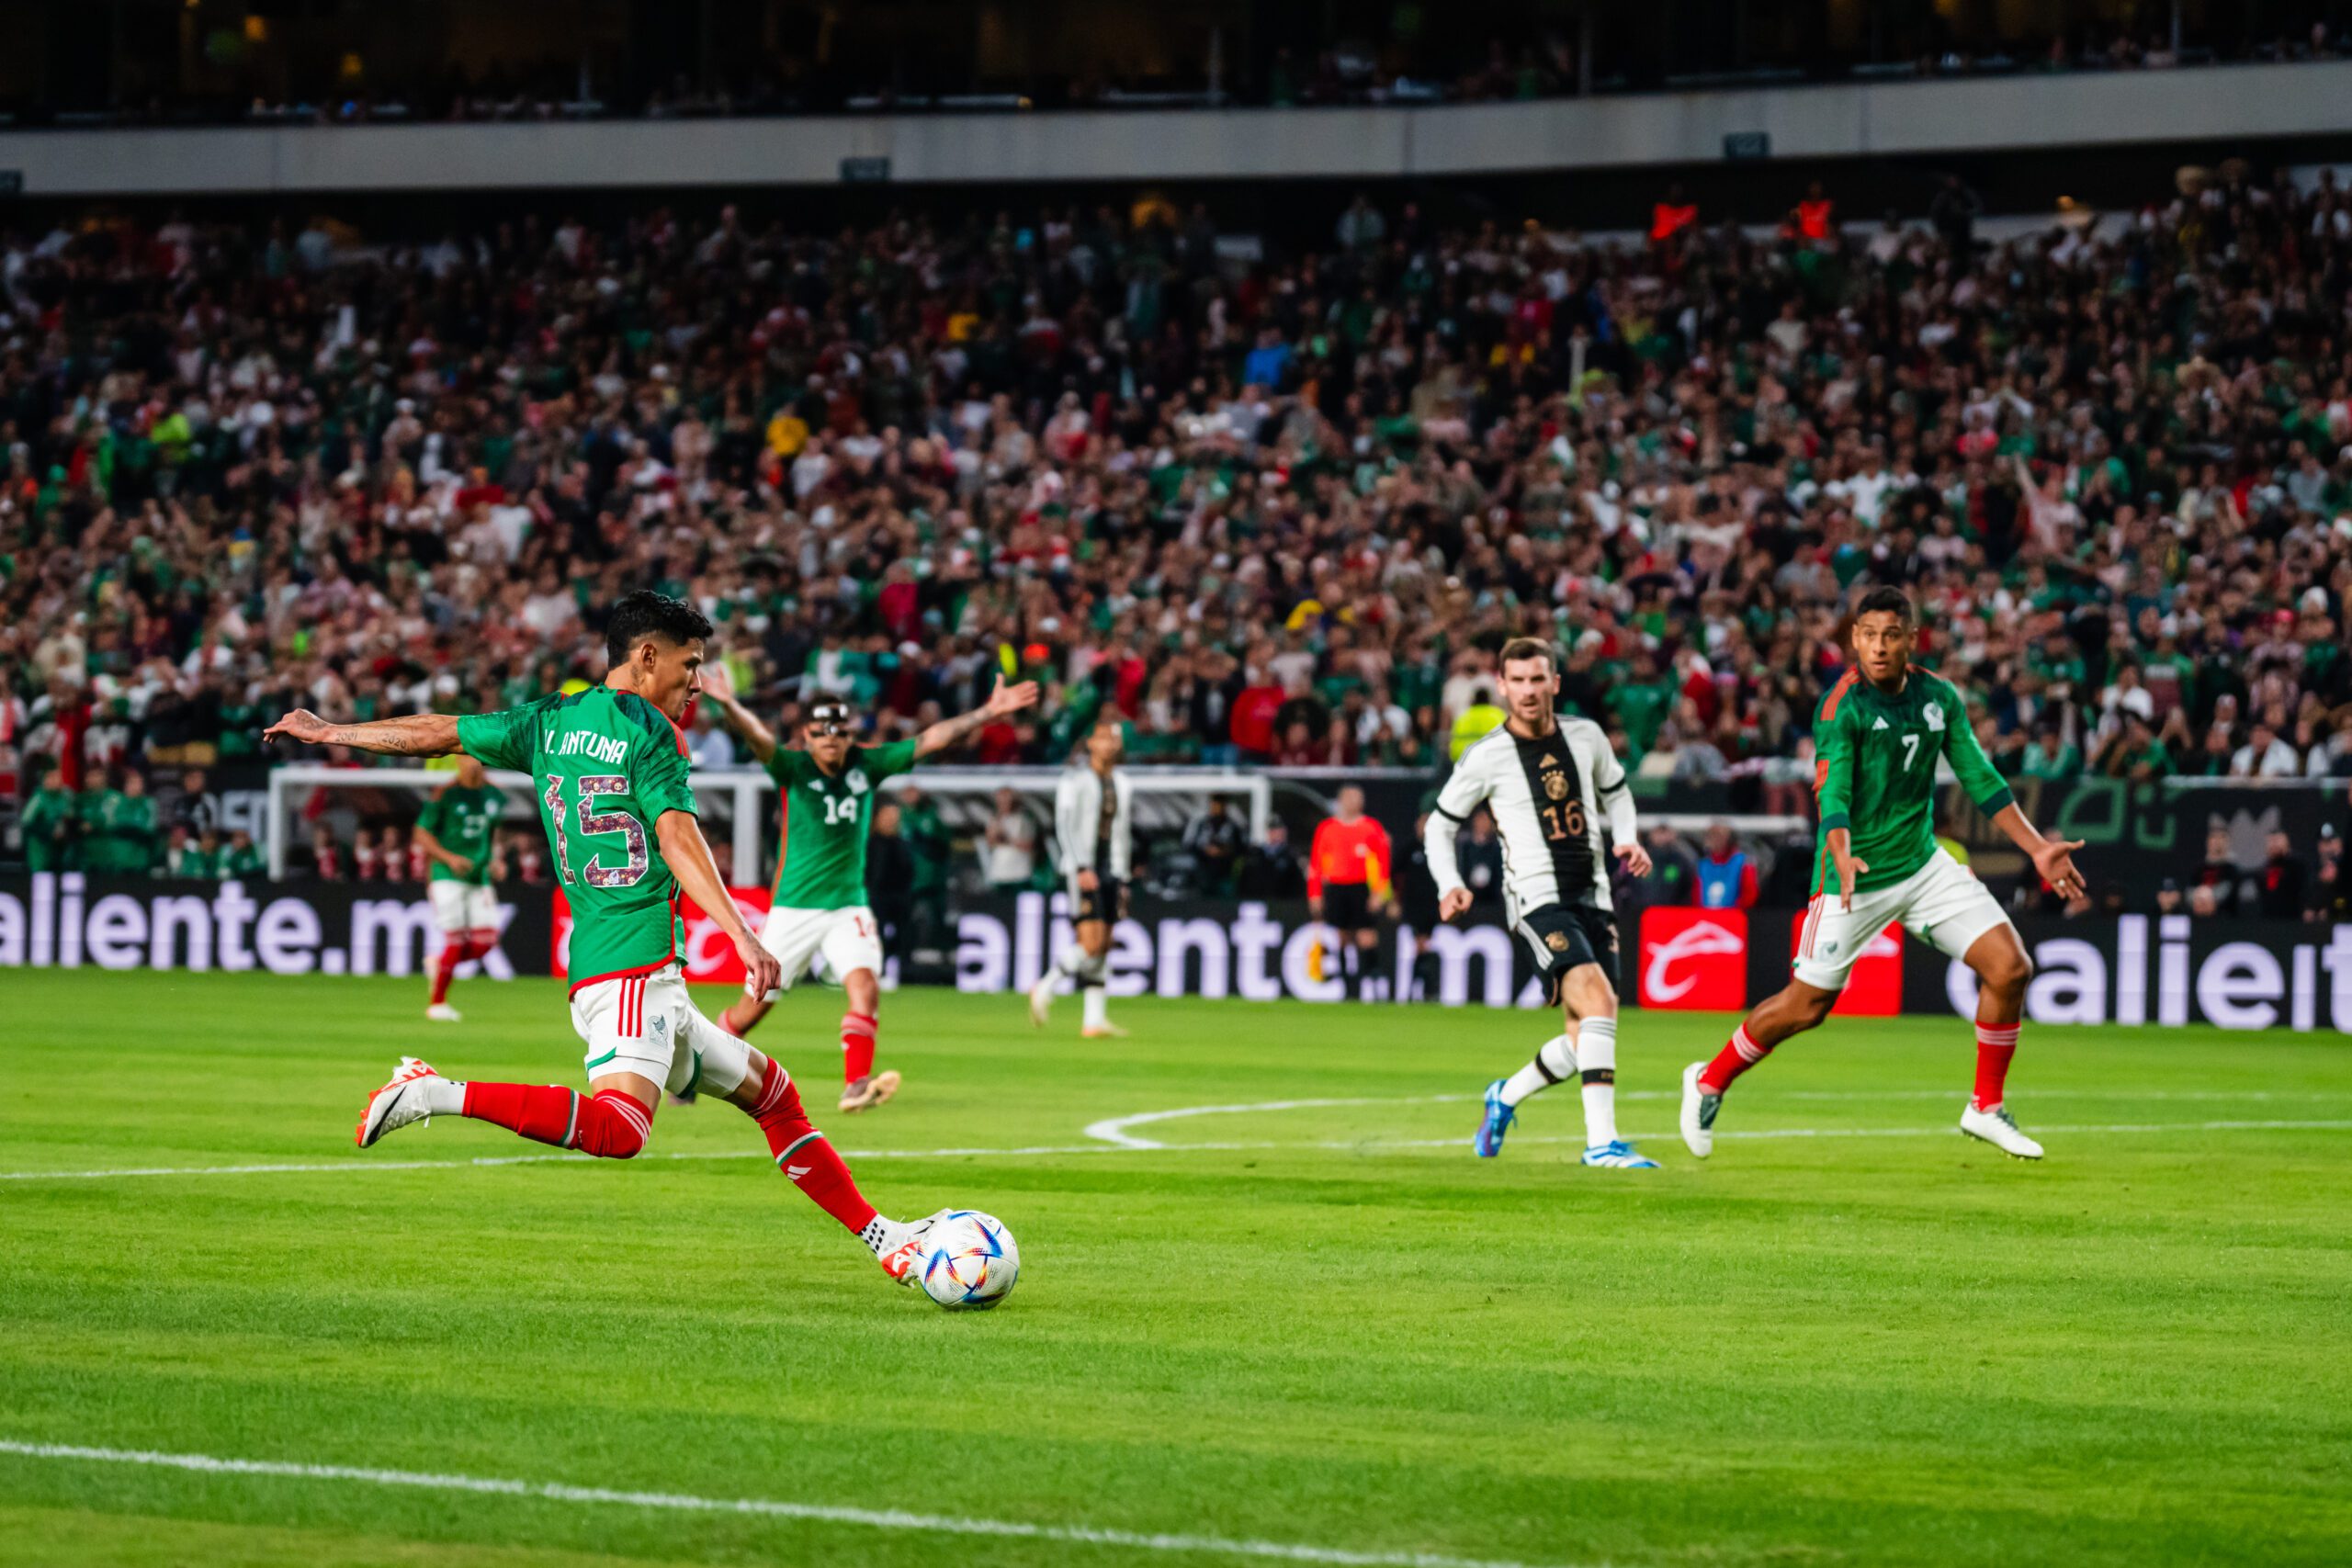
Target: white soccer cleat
(401, 1101)
(1699, 1109)
(869, 1091)
(1041, 1000)
(1102, 1032)
(442, 1012)
(898, 1248)
(1997, 1127)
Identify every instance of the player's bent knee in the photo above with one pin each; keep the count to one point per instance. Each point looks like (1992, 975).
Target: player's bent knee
(613, 1126)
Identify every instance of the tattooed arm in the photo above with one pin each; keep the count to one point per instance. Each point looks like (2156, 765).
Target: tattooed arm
(418, 735)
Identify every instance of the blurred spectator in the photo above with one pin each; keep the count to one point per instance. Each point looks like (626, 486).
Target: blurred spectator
(708, 743)
(2168, 897)
(243, 857)
(326, 854)
(1726, 875)
(119, 825)
(2331, 894)
(889, 878)
(2265, 756)
(1272, 869)
(51, 825)
(1674, 870)
(1480, 851)
(1008, 846)
(1216, 841)
(2233, 888)
(2203, 902)
(2284, 882)
(1954, 213)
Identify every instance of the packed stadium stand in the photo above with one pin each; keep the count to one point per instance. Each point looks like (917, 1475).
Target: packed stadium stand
(1279, 513)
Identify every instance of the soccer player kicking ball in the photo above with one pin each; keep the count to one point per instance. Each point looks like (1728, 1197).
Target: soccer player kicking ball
(1548, 782)
(454, 833)
(826, 796)
(1876, 738)
(609, 768)
(1094, 842)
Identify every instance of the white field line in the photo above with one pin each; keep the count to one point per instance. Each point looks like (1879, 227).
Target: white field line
(819, 1513)
(1114, 1130)
(1340, 1145)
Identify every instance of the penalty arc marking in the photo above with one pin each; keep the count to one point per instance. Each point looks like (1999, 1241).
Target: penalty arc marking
(758, 1508)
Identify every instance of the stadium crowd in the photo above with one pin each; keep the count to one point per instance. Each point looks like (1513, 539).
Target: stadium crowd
(1414, 65)
(1277, 512)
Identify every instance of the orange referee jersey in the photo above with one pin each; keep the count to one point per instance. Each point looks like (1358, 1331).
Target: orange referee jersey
(1347, 852)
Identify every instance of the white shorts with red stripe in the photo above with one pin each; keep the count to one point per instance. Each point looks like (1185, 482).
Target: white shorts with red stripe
(463, 905)
(847, 940)
(648, 1025)
(1941, 903)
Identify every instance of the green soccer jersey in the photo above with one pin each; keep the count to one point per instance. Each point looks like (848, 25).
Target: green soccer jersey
(605, 766)
(821, 854)
(1875, 773)
(461, 819)
(47, 827)
(119, 832)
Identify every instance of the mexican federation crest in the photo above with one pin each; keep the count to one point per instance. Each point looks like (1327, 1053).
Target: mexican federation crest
(1933, 713)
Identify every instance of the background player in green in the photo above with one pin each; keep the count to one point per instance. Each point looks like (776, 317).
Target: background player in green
(609, 768)
(1877, 739)
(51, 826)
(455, 829)
(826, 795)
(118, 826)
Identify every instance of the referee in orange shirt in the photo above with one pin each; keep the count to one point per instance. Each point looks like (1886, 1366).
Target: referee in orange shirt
(1348, 887)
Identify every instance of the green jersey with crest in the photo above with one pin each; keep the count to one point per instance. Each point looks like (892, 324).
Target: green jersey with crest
(605, 765)
(462, 819)
(1875, 773)
(820, 854)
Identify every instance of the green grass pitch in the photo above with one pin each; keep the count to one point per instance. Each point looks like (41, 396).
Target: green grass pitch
(1850, 1337)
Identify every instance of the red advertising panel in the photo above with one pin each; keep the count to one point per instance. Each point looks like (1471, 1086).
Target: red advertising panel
(710, 957)
(1694, 959)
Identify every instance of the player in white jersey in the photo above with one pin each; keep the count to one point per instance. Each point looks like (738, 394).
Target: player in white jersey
(1093, 838)
(1548, 781)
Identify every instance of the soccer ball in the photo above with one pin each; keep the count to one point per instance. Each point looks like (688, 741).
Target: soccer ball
(968, 1261)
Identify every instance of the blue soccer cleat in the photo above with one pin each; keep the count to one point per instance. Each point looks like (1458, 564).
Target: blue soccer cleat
(1495, 1123)
(1618, 1156)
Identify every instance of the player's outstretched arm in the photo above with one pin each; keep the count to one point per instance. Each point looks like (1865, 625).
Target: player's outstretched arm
(1003, 703)
(416, 735)
(2054, 858)
(687, 855)
(718, 687)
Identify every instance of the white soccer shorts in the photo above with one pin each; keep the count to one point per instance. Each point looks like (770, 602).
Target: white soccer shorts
(849, 939)
(648, 1025)
(463, 905)
(1941, 903)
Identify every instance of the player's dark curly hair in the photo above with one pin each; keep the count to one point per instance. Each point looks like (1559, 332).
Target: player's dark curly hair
(1890, 599)
(645, 614)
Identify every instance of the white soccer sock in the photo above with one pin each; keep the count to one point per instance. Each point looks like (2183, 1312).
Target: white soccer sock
(443, 1097)
(1072, 961)
(1597, 1055)
(1097, 1007)
(1556, 1062)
